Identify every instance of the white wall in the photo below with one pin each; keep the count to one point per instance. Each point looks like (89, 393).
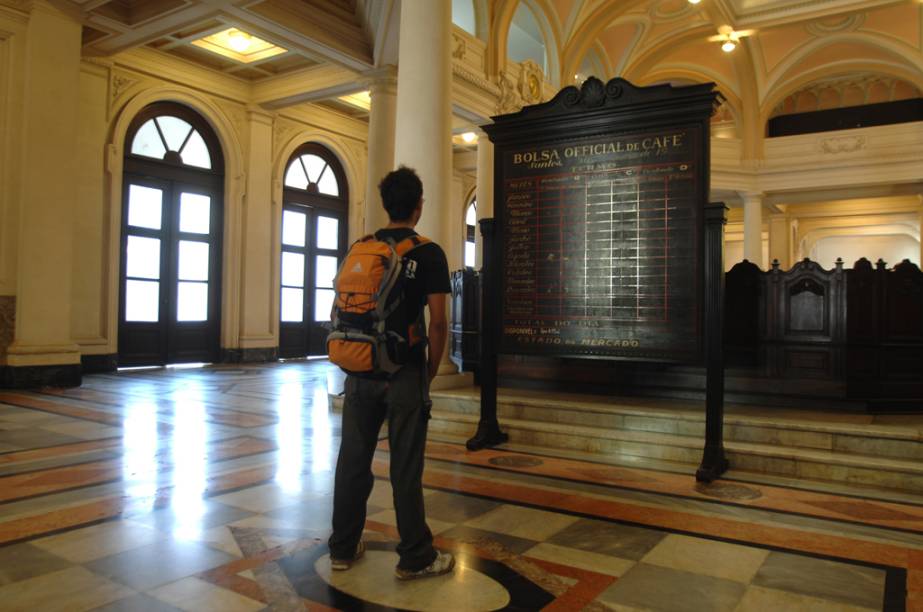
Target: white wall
(893, 249)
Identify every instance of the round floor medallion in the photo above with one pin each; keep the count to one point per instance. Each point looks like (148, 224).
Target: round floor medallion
(723, 490)
(515, 461)
(372, 580)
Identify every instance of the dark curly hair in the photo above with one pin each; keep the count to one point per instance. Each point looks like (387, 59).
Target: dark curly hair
(401, 191)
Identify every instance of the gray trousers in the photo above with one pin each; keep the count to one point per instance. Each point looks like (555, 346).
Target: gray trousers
(404, 400)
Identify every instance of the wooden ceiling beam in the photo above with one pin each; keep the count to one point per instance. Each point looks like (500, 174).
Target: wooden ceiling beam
(152, 30)
(310, 84)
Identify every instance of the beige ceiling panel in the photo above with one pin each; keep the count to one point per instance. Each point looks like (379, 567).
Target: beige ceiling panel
(314, 83)
(780, 42)
(136, 12)
(619, 41)
(323, 21)
(902, 22)
(149, 31)
(765, 13)
(706, 55)
(840, 52)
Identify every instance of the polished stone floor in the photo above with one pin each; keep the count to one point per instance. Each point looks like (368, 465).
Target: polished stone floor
(210, 489)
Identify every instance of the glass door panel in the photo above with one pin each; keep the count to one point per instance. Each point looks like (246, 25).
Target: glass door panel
(292, 305)
(145, 207)
(311, 254)
(143, 265)
(191, 301)
(328, 232)
(194, 213)
(294, 228)
(142, 301)
(193, 260)
(142, 257)
(169, 267)
(323, 302)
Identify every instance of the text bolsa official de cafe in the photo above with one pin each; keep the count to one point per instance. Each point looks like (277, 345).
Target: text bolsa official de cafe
(550, 158)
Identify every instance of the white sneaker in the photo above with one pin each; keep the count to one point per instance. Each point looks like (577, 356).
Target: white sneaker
(339, 565)
(443, 564)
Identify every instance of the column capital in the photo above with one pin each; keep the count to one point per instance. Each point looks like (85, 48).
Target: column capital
(383, 78)
(260, 114)
(752, 196)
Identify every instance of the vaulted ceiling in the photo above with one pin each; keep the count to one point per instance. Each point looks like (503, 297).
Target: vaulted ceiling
(863, 50)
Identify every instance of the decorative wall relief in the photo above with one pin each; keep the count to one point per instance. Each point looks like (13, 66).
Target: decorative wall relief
(530, 82)
(459, 47)
(510, 99)
(119, 83)
(465, 72)
(848, 23)
(7, 321)
(238, 117)
(841, 144)
(281, 133)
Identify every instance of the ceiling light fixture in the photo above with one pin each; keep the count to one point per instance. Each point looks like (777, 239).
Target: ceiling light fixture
(238, 45)
(469, 137)
(694, 1)
(239, 41)
(729, 37)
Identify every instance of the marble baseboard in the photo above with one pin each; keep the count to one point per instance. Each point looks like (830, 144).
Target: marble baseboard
(7, 321)
(30, 377)
(99, 364)
(250, 355)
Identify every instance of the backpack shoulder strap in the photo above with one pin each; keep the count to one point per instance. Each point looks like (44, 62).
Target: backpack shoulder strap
(410, 243)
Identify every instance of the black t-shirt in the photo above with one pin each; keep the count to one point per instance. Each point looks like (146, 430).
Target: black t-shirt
(432, 275)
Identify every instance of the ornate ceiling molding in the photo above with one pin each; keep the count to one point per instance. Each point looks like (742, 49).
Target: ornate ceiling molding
(849, 23)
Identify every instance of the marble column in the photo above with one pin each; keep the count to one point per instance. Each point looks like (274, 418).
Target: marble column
(259, 338)
(485, 187)
(424, 111)
(43, 350)
(920, 234)
(423, 131)
(383, 92)
(780, 236)
(753, 228)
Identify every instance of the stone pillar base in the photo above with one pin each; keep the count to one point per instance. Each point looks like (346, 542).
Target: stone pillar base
(250, 355)
(98, 364)
(29, 377)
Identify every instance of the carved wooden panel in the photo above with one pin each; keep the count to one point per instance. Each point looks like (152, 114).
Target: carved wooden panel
(904, 305)
(465, 322)
(743, 311)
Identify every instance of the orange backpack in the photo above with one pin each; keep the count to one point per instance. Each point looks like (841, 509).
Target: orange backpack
(371, 335)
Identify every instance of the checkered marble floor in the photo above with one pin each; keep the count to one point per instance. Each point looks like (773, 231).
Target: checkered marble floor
(210, 489)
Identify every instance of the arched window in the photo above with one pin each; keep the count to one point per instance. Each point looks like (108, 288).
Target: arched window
(312, 173)
(172, 139)
(314, 213)
(471, 216)
(171, 238)
(525, 40)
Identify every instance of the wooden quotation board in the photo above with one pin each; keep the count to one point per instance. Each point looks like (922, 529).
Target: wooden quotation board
(600, 224)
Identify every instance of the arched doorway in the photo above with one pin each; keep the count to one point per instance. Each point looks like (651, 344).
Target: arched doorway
(471, 220)
(314, 230)
(169, 293)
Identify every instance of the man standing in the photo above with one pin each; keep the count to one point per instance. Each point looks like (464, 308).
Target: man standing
(404, 399)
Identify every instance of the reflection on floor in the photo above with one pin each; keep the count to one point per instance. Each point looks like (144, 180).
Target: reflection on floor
(210, 489)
